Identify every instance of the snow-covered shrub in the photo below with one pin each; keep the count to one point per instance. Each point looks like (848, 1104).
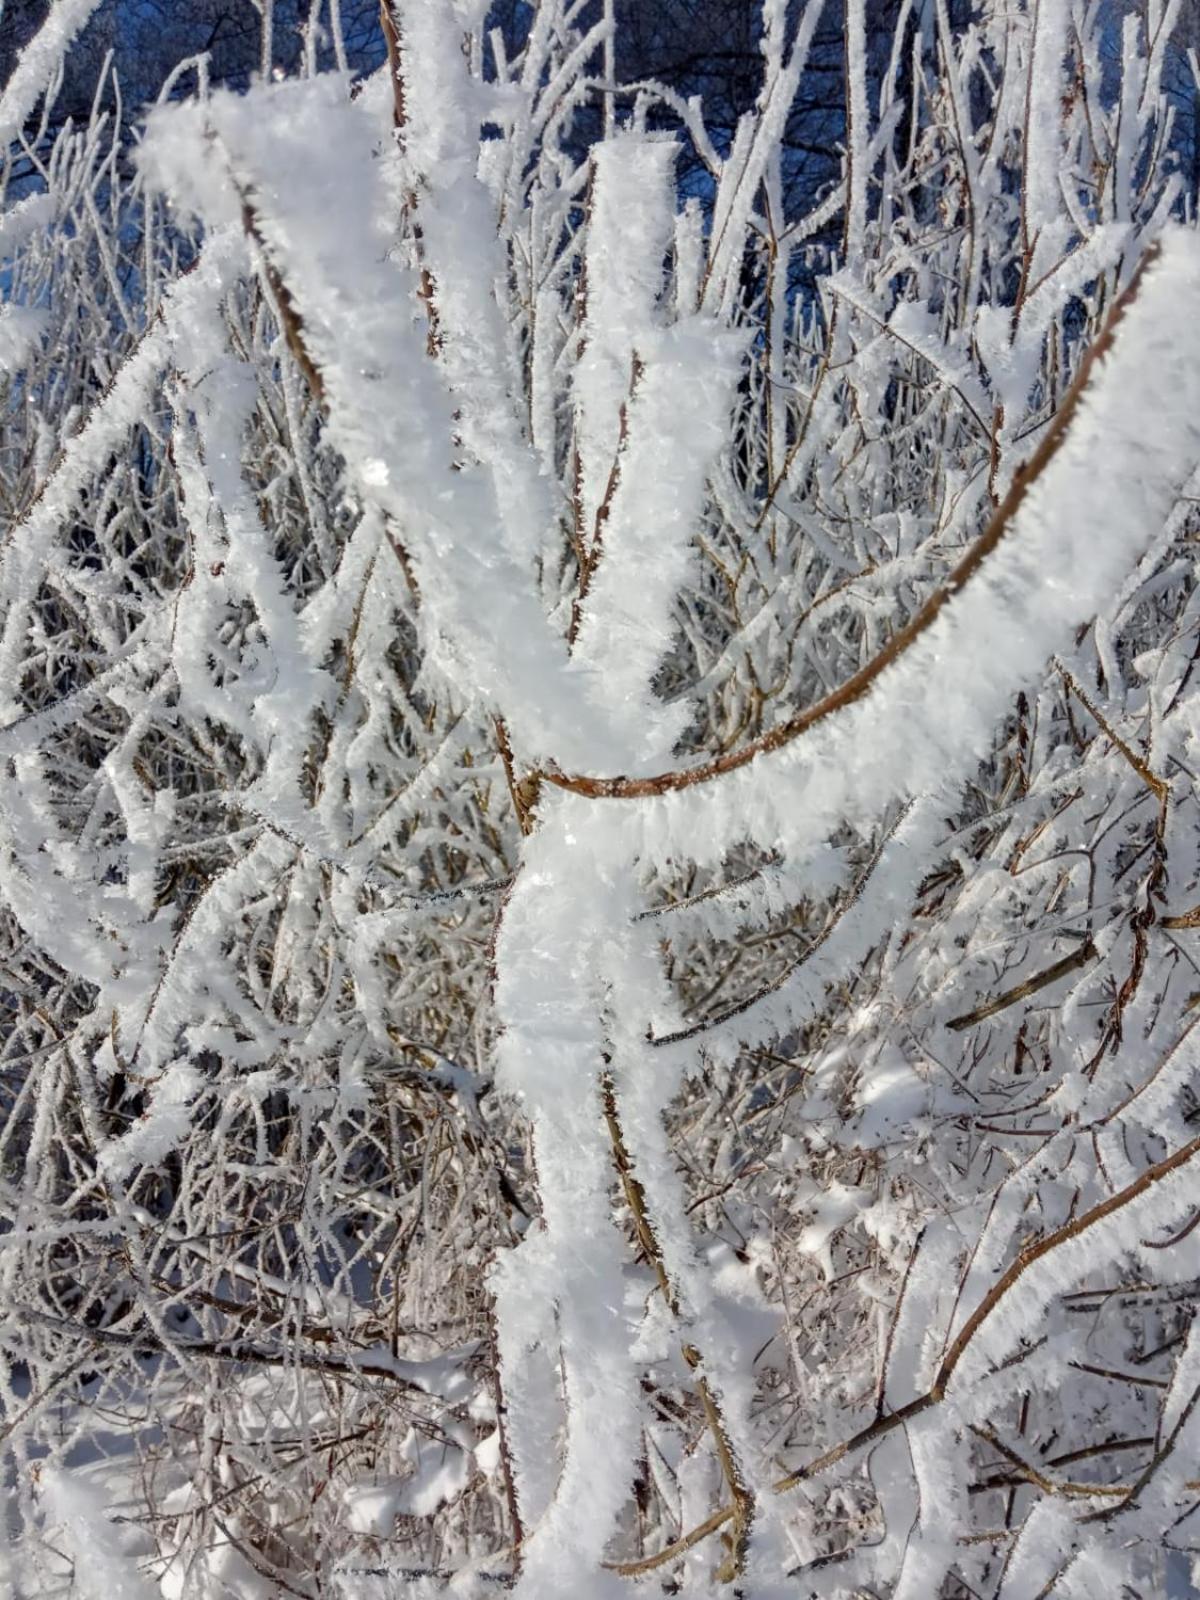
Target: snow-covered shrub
(598, 835)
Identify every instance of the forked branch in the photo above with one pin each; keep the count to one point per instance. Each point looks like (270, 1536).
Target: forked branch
(862, 681)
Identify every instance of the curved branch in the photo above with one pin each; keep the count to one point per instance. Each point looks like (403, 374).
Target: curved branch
(858, 685)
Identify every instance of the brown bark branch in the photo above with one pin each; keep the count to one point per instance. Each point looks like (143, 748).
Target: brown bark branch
(1040, 980)
(290, 321)
(858, 685)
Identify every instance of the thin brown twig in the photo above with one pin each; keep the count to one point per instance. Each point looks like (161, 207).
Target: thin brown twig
(1158, 786)
(1040, 980)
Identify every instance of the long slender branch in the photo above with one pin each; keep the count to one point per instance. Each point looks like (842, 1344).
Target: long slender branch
(741, 1007)
(234, 1350)
(742, 1509)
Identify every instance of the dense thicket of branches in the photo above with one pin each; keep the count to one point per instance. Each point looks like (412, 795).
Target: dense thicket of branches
(599, 852)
